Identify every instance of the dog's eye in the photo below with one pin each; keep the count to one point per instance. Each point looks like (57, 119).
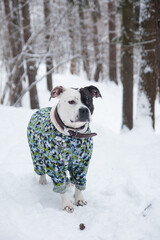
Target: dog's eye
(72, 102)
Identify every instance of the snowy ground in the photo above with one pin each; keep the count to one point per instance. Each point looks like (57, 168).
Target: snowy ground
(123, 188)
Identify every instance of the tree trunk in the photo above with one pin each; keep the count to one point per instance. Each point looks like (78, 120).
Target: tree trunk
(49, 60)
(98, 62)
(157, 8)
(31, 65)
(147, 83)
(112, 44)
(17, 70)
(127, 63)
(71, 22)
(84, 48)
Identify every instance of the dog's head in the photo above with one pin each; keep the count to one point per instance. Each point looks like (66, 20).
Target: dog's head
(75, 105)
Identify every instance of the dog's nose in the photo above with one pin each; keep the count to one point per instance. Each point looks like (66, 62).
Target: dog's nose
(83, 111)
(83, 114)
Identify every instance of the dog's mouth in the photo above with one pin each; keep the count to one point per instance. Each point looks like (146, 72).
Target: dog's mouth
(80, 121)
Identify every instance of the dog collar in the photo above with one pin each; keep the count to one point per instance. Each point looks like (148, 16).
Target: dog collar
(73, 132)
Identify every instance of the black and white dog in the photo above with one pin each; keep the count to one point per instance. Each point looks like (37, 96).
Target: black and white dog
(68, 123)
(75, 107)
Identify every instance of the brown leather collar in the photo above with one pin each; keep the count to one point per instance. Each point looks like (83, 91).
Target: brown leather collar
(74, 132)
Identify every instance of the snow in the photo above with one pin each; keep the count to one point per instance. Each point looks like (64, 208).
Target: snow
(123, 182)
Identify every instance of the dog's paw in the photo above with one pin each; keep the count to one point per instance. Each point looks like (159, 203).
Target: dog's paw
(69, 209)
(66, 203)
(79, 199)
(43, 180)
(81, 203)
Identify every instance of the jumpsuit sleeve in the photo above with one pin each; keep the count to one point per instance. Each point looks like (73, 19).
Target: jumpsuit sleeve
(55, 167)
(80, 164)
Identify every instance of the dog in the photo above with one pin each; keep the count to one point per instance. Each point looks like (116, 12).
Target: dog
(60, 140)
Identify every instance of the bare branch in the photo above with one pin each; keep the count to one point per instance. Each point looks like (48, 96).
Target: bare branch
(37, 81)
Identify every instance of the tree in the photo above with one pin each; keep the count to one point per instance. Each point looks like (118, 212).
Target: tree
(127, 63)
(49, 61)
(157, 8)
(96, 14)
(31, 64)
(16, 74)
(112, 44)
(73, 38)
(83, 31)
(147, 81)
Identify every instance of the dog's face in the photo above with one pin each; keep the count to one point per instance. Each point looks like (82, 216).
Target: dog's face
(75, 105)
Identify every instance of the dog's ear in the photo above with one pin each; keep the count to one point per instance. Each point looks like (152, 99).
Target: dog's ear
(57, 91)
(94, 91)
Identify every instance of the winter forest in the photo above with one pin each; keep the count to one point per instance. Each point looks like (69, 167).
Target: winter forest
(109, 40)
(115, 46)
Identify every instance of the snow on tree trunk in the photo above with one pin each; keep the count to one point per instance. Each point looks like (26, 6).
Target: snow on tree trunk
(147, 75)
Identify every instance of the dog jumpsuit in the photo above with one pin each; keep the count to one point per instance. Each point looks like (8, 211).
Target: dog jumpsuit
(54, 153)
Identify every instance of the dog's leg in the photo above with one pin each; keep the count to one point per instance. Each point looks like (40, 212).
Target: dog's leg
(79, 199)
(43, 179)
(66, 203)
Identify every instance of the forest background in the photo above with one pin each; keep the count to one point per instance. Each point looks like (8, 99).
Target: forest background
(108, 40)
